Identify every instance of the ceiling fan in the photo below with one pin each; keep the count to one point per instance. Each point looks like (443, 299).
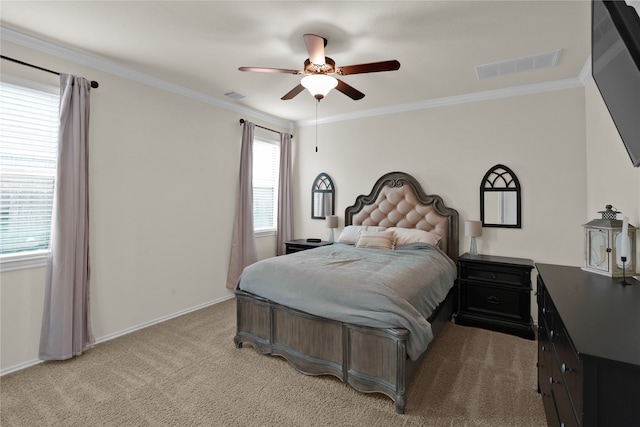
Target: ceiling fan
(319, 69)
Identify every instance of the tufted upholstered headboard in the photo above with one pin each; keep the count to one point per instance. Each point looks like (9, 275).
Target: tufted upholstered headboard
(398, 200)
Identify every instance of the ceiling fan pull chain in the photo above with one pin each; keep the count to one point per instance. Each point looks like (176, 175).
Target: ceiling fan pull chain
(317, 125)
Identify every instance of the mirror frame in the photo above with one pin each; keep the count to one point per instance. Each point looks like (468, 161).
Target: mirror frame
(500, 179)
(323, 184)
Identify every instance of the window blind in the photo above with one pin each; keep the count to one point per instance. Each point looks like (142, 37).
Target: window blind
(28, 159)
(266, 159)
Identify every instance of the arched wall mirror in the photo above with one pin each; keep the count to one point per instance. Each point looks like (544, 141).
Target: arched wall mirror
(323, 197)
(500, 198)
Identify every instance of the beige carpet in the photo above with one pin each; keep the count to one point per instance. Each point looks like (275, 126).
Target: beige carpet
(187, 372)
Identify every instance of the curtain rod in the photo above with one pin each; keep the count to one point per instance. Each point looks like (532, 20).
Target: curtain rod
(262, 127)
(94, 84)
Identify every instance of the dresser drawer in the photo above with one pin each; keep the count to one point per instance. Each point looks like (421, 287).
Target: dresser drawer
(548, 312)
(546, 309)
(561, 399)
(496, 274)
(495, 301)
(570, 368)
(545, 361)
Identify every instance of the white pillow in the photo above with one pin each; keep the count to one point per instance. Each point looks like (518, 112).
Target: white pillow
(411, 235)
(376, 240)
(351, 233)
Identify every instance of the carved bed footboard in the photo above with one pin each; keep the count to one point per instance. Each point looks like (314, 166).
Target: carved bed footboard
(371, 360)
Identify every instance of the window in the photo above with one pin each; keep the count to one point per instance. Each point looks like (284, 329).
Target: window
(28, 158)
(266, 160)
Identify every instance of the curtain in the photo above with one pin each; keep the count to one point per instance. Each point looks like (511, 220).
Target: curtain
(243, 244)
(66, 322)
(284, 229)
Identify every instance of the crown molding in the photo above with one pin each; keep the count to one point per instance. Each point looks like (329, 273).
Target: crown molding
(453, 100)
(585, 73)
(108, 66)
(111, 67)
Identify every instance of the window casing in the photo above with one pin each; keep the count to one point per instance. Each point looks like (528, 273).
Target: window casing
(28, 160)
(266, 163)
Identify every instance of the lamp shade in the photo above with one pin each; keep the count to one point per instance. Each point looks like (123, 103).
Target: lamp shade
(473, 228)
(332, 221)
(319, 85)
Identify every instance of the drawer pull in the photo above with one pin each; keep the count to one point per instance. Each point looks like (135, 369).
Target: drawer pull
(551, 334)
(552, 381)
(493, 276)
(565, 369)
(544, 348)
(493, 300)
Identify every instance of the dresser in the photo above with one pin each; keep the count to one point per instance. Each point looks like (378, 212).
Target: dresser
(298, 245)
(495, 293)
(588, 348)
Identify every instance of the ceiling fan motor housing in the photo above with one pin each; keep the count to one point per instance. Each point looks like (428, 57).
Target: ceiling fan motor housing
(329, 67)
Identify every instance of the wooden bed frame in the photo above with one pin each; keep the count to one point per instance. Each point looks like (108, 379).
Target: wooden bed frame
(369, 359)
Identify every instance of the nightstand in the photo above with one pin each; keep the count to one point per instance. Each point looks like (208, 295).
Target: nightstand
(302, 245)
(495, 293)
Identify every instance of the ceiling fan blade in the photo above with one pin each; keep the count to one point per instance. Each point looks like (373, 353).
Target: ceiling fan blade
(270, 70)
(372, 67)
(350, 91)
(293, 92)
(315, 46)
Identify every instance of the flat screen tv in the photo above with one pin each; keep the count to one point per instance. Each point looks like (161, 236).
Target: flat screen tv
(615, 66)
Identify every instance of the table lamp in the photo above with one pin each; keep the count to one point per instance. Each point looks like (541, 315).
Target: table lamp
(473, 229)
(332, 222)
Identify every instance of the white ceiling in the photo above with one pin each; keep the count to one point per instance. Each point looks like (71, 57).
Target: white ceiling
(200, 45)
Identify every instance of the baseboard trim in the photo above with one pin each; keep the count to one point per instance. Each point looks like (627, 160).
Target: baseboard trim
(160, 320)
(108, 337)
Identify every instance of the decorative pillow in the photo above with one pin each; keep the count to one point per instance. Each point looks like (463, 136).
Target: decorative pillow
(351, 233)
(411, 235)
(376, 240)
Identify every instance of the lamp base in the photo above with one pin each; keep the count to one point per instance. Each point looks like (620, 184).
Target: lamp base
(624, 281)
(331, 235)
(473, 250)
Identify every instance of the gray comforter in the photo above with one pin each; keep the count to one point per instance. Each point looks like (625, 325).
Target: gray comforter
(370, 287)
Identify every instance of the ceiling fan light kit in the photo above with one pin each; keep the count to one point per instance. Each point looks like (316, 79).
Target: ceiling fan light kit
(319, 85)
(318, 68)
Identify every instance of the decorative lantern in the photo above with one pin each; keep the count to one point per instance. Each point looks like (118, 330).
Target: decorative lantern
(604, 244)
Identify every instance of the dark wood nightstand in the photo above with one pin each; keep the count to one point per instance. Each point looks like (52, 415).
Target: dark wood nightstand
(495, 293)
(302, 245)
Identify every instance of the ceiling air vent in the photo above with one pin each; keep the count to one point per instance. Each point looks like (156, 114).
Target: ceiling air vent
(517, 65)
(234, 95)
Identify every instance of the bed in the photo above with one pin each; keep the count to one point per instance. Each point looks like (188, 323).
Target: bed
(372, 350)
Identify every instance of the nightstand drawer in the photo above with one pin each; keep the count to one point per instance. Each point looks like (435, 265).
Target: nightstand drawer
(293, 248)
(494, 274)
(299, 245)
(494, 301)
